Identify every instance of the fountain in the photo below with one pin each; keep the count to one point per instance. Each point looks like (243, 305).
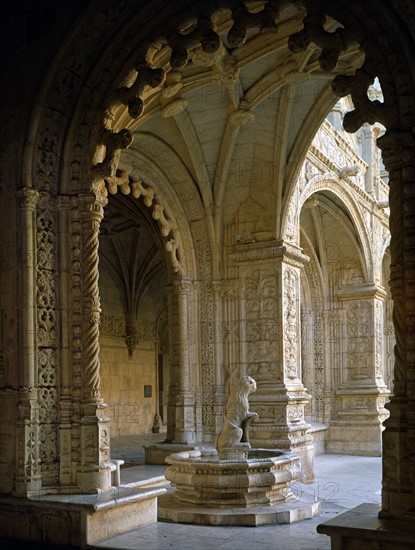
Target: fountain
(235, 484)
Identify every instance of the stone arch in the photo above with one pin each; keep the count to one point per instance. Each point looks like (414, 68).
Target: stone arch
(330, 182)
(312, 335)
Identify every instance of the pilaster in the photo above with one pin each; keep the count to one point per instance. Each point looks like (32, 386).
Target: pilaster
(28, 474)
(66, 389)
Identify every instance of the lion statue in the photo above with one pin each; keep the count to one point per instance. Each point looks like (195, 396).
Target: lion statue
(237, 416)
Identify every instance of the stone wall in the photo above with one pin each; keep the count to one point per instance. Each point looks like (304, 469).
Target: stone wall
(128, 376)
(124, 380)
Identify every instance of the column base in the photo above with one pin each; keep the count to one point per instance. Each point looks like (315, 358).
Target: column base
(358, 422)
(94, 482)
(347, 438)
(362, 527)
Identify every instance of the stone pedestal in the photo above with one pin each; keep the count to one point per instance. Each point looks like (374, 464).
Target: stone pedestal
(94, 472)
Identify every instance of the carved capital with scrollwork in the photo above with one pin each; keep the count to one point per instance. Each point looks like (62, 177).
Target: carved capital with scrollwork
(28, 198)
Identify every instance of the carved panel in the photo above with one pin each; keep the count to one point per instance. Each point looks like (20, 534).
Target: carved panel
(358, 332)
(116, 327)
(207, 335)
(47, 330)
(261, 313)
(291, 322)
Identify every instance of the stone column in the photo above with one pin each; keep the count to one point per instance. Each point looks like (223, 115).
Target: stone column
(359, 407)
(398, 484)
(94, 471)
(271, 273)
(181, 409)
(28, 475)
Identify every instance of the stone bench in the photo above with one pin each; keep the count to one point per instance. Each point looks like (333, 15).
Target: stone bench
(78, 519)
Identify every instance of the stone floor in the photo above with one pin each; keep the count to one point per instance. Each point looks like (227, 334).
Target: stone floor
(342, 482)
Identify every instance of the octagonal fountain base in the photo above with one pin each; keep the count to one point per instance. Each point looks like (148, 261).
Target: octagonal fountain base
(252, 491)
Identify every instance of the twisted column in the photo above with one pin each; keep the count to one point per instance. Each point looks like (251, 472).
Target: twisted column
(93, 473)
(91, 214)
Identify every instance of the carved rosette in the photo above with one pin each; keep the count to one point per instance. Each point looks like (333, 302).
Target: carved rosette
(91, 214)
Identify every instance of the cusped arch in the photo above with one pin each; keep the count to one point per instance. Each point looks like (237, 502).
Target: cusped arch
(171, 221)
(160, 166)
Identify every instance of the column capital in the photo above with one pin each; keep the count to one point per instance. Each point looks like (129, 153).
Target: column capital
(28, 197)
(276, 249)
(365, 291)
(181, 284)
(91, 204)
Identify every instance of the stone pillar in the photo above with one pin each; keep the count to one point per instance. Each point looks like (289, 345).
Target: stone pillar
(359, 406)
(398, 484)
(181, 408)
(271, 274)
(28, 474)
(220, 357)
(93, 473)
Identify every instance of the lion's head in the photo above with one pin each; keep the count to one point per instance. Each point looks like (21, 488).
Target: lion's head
(248, 385)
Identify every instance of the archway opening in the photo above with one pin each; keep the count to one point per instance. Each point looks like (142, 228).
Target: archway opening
(133, 281)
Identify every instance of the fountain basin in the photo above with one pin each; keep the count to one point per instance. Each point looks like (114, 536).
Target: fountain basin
(202, 479)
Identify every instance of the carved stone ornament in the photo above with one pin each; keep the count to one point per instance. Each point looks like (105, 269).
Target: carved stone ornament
(234, 434)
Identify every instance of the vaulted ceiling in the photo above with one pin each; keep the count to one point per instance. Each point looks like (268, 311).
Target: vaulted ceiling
(241, 119)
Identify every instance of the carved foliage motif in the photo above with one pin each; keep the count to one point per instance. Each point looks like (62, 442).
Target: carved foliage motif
(378, 313)
(291, 322)
(261, 310)
(46, 269)
(207, 335)
(358, 340)
(46, 238)
(116, 327)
